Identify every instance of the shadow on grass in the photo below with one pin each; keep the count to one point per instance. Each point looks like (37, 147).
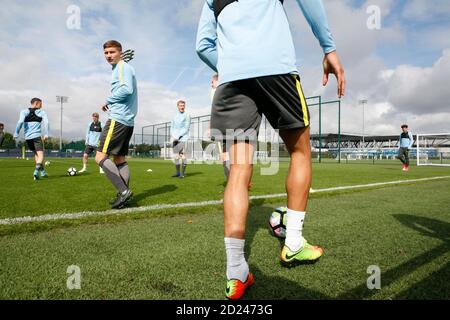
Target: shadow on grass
(273, 287)
(436, 286)
(153, 192)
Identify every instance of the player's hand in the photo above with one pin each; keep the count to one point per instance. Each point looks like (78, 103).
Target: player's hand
(332, 64)
(105, 108)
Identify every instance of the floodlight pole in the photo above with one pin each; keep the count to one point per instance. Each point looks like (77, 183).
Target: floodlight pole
(363, 102)
(62, 99)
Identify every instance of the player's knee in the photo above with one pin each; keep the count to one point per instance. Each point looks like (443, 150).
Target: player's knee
(99, 157)
(235, 230)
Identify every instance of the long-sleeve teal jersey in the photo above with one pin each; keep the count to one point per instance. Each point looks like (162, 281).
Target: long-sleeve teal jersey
(180, 125)
(123, 101)
(33, 126)
(251, 38)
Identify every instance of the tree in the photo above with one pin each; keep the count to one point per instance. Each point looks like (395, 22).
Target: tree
(9, 142)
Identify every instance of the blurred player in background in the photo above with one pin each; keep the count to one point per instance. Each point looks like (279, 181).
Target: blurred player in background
(122, 106)
(2, 134)
(35, 126)
(406, 142)
(179, 129)
(93, 133)
(258, 75)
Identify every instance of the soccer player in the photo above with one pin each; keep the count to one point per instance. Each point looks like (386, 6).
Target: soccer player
(2, 134)
(122, 106)
(180, 134)
(249, 44)
(94, 130)
(35, 126)
(224, 156)
(405, 144)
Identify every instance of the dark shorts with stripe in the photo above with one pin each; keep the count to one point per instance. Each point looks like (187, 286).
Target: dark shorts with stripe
(89, 149)
(115, 138)
(35, 144)
(239, 105)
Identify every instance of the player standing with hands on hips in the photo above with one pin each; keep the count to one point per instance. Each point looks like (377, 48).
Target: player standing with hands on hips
(93, 133)
(179, 129)
(249, 44)
(406, 142)
(122, 105)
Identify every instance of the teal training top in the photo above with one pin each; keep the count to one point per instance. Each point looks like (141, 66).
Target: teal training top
(251, 38)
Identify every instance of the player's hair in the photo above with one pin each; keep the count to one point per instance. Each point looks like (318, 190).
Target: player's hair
(34, 100)
(95, 114)
(404, 126)
(112, 44)
(2, 125)
(180, 102)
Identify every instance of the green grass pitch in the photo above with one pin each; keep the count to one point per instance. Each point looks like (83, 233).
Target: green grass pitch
(179, 253)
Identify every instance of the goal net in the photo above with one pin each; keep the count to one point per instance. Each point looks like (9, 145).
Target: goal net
(433, 149)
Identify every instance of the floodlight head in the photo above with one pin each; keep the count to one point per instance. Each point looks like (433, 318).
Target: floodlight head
(62, 99)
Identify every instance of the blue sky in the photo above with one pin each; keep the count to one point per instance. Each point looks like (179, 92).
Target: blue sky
(43, 57)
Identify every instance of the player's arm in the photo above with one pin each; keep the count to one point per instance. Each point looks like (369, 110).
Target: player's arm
(46, 126)
(19, 124)
(314, 13)
(88, 131)
(207, 36)
(411, 140)
(126, 85)
(173, 130)
(186, 127)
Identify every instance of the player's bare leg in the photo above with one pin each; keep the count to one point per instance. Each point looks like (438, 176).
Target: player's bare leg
(296, 249)
(85, 161)
(236, 205)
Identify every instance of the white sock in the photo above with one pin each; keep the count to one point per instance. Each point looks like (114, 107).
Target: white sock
(237, 267)
(84, 167)
(294, 227)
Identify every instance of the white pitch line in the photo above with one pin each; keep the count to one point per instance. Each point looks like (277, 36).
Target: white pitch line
(60, 216)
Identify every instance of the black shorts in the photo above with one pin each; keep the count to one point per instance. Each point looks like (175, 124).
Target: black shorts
(35, 145)
(89, 149)
(239, 105)
(115, 138)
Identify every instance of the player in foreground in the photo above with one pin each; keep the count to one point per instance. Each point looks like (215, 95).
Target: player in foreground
(122, 106)
(405, 144)
(93, 133)
(258, 76)
(179, 129)
(35, 126)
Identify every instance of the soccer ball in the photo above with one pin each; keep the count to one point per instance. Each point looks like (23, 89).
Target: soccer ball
(277, 222)
(47, 163)
(72, 172)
